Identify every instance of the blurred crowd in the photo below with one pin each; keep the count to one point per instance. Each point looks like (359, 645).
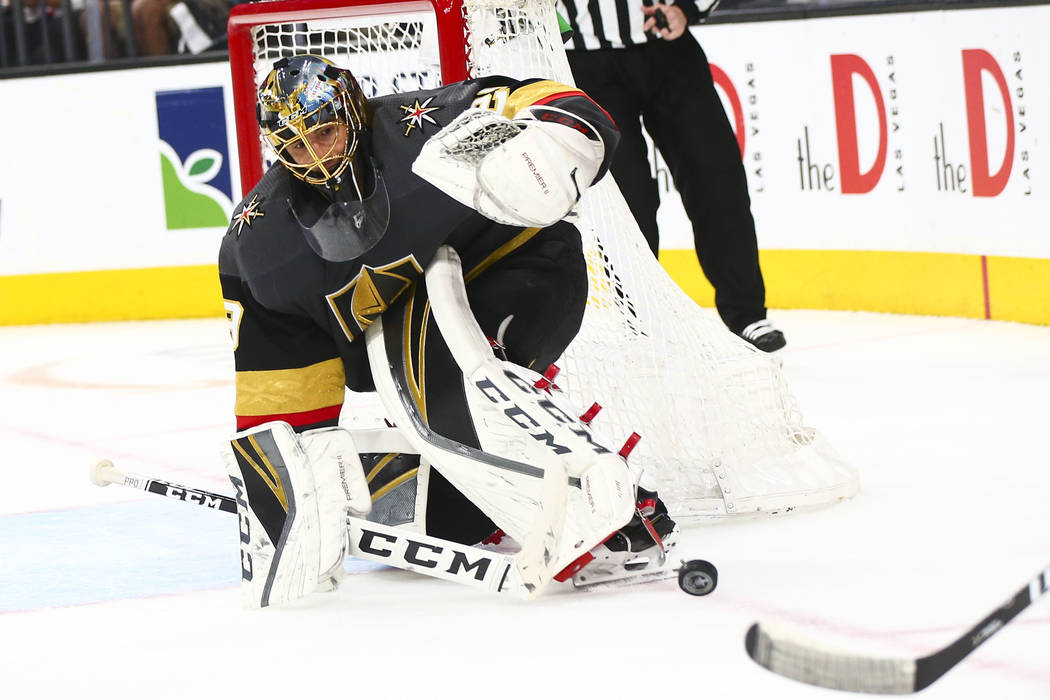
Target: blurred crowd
(34, 32)
(40, 32)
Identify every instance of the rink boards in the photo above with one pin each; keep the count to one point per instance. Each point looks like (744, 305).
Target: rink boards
(896, 163)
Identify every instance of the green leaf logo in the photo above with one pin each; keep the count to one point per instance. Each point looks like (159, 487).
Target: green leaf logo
(202, 165)
(189, 202)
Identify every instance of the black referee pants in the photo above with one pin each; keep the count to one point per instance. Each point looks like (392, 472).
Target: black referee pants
(668, 86)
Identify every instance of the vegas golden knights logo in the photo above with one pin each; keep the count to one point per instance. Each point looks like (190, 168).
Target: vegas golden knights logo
(371, 293)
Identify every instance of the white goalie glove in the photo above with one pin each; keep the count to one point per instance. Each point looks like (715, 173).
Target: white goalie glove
(523, 172)
(294, 493)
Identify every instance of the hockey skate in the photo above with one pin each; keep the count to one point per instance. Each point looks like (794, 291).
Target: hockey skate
(637, 552)
(763, 335)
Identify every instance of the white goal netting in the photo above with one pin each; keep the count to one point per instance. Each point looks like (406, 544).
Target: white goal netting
(722, 433)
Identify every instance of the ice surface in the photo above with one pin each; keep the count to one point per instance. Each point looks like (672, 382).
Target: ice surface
(127, 595)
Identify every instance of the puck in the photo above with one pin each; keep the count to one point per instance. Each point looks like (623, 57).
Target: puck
(697, 577)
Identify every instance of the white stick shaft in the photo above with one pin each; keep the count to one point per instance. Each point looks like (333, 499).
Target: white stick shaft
(104, 473)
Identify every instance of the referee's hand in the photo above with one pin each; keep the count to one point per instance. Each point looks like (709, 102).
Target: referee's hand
(674, 25)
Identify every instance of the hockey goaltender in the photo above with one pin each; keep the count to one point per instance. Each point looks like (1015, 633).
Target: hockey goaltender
(417, 245)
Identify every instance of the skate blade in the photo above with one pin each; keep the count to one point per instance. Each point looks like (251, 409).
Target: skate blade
(628, 578)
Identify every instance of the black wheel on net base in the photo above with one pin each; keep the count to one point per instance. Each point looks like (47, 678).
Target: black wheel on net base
(697, 577)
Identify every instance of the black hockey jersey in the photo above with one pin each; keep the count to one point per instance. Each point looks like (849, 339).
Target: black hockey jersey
(297, 320)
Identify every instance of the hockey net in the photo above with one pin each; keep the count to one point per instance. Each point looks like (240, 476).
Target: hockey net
(722, 433)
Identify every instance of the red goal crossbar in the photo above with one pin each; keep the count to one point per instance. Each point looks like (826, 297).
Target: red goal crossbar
(452, 50)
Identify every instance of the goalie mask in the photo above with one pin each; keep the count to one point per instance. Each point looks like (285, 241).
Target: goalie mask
(314, 116)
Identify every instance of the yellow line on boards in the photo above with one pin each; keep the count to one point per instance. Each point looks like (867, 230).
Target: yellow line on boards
(111, 295)
(939, 284)
(936, 284)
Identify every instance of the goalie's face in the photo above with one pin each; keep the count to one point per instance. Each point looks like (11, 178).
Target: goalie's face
(323, 151)
(313, 115)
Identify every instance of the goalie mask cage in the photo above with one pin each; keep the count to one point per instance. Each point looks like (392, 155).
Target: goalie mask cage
(722, 433)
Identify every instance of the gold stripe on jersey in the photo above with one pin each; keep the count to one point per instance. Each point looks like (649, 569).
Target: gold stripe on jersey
(535, 92)
(282, 391)
(503, 251)
(269, 474)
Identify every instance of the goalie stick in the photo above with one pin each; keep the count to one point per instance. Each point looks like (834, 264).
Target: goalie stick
(396, 547)
(802, 661)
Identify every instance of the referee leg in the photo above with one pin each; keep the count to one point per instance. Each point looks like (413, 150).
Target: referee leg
(611, 78)
(689, 125)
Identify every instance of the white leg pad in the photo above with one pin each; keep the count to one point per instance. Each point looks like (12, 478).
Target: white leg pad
(600, 497)
(341, 489)
(512, 411)
(293, 494)
(522, 490)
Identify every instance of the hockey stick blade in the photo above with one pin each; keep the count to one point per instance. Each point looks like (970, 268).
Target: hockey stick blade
(800, 660)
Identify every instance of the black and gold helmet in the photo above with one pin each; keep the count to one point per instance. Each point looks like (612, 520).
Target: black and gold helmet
(302, 103)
